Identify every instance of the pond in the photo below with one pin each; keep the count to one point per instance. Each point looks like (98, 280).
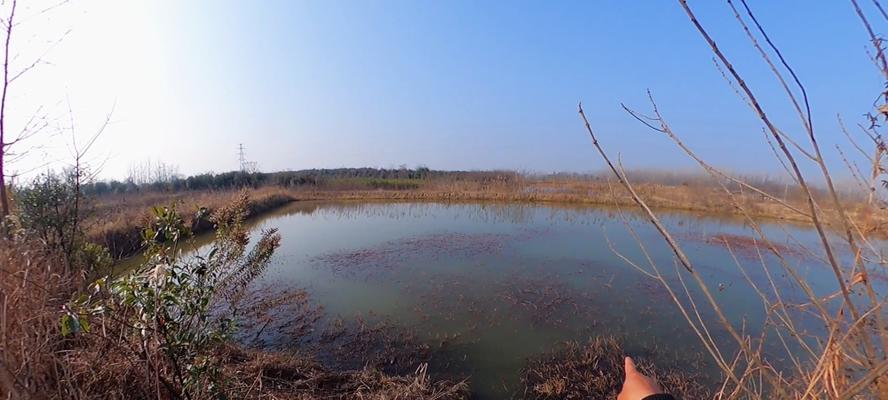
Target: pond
(478, 289)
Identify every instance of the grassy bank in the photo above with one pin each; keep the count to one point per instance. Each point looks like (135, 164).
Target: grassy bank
(692, 194)
(118, 218)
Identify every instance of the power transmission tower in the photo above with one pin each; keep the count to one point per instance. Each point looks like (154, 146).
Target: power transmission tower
(245, 166)
(242, 158)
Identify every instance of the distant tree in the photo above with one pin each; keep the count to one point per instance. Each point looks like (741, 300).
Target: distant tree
(100, 187)
(422, 172)
(155, 175)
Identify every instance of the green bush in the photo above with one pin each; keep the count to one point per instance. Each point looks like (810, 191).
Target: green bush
(182, 307)
(51, 209)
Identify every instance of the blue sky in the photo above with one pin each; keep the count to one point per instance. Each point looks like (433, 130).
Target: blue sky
(450, 85)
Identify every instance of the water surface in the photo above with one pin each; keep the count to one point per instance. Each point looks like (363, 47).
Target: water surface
(484, 287)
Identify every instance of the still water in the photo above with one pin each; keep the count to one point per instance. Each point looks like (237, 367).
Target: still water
(482, 288)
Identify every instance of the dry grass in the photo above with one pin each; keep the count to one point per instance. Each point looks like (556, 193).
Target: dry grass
(117, 220)
(266, 375)
(595, 371)
(31, 296)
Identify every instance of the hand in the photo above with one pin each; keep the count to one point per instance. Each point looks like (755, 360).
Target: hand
(637, 386)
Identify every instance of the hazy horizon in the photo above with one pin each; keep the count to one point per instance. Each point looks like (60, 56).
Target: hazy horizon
(451, 86)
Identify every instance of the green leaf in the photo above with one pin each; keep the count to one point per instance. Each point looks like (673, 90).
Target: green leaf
(69, 325)
(84, 324)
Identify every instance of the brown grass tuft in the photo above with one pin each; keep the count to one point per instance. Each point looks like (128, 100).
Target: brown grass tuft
(595, 371)
(261, 375)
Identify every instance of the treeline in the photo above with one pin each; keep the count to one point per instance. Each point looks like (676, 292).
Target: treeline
(400, 178)
(406, 178)
(225, 180)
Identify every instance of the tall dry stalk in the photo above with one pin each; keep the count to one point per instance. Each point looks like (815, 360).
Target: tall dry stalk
(32, 291)
(848, 358)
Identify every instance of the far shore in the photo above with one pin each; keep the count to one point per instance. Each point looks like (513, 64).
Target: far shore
(118, 218)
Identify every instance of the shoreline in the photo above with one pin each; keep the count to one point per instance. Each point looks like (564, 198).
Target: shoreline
(659, 206)
(124, 239)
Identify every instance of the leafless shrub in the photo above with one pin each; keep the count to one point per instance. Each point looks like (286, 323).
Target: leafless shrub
(848, 359)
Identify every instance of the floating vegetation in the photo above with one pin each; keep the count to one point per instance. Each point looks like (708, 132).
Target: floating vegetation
(398, 253)
(750, 247)
(546, 301)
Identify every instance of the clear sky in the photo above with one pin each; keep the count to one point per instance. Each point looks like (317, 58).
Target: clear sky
(447, 84)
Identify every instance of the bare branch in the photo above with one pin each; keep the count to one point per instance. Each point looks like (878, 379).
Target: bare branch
(41, 58)
(877, 43)
(881, 10)
(815, 218)
(806, 116)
